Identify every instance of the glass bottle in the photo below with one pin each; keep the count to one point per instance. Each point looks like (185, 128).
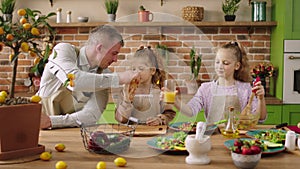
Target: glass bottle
(230, 130)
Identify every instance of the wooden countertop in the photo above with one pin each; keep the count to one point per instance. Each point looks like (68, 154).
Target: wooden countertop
(166, 24)
(140, 155)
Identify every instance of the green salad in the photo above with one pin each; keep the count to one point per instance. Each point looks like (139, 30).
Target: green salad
(275, 136)
(172, 143)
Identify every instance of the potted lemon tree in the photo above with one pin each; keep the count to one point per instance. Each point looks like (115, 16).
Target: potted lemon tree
(20, 117)
(229, 8)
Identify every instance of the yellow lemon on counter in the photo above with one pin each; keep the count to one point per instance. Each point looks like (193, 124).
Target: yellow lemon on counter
(60, 147)
(35, 99)
(2, 99)
(45, 156)
(61, 165)
(120, 162)
(21, 12)
(3, 93)
(101, 165)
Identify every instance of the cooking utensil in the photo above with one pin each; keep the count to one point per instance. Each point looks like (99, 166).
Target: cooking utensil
(247, 109)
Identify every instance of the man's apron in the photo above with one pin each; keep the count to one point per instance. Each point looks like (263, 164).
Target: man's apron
(221, 101)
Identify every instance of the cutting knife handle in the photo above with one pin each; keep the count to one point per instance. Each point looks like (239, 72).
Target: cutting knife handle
(278, 126)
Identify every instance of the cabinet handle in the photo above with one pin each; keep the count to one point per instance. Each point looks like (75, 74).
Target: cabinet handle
(294, 57)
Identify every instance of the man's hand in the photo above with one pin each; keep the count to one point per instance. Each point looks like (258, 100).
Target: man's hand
(127, 76)
(45, 121)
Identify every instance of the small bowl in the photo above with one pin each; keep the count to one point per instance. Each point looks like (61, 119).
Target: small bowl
(83, 19)
(245, 161)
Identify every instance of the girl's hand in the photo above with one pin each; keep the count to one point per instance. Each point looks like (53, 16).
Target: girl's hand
(154, 121)
(258, 89)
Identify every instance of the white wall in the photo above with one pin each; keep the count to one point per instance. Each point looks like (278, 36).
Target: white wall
(95, 10)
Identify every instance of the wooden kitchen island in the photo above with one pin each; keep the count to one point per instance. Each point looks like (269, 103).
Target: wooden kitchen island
(141, 156)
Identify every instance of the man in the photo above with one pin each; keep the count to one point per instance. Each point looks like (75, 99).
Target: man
(65, 104)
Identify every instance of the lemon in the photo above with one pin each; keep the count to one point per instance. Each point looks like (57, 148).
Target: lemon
(21, 12)
(32, 53)
(3, 93)
(24, 46)
(61, 165)
(179, 148)
(36, 60)
(2, 99)
(23, 20)
(45, 156)
(26, 26)
(9, 37)
(60, 147)
(298, 125)
(35, 99)
(35, 31)
(71, 76)
(1, 31)
(120, 162)
(101, 165)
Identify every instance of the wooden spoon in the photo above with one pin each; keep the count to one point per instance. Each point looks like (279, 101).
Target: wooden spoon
(247, 109)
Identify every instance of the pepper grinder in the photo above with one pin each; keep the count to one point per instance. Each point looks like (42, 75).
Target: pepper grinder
(58, 15)
(290, 140)
(69, 20)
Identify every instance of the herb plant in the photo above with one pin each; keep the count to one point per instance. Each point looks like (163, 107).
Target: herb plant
(7, 6)
(111, 6)
(229, 7)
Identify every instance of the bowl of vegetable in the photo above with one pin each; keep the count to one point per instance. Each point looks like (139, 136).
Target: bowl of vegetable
(246, 153)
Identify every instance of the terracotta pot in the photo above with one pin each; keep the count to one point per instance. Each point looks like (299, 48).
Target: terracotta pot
(145, 16)
(19, 131)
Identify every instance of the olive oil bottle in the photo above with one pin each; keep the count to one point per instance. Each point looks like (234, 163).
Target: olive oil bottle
(230, 130)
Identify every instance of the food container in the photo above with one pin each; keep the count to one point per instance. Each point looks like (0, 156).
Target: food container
(192, 13)
(245, 161)
(107, 138)
(83, 19)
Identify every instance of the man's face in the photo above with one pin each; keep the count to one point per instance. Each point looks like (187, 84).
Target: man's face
(109, 55)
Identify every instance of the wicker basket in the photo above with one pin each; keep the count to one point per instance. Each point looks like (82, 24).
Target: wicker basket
(192, 13)
(107, 138)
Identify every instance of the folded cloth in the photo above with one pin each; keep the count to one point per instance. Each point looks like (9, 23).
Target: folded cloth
(294, 128)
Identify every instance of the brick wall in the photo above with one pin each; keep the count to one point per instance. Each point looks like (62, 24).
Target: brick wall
(179, 41)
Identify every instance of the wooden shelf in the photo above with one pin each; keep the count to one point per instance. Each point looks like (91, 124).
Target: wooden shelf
(166, 24)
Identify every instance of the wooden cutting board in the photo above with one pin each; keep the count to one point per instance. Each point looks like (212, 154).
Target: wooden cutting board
(140, 130)
(145, 130)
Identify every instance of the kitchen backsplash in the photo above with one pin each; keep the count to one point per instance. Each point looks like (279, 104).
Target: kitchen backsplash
(179, 40)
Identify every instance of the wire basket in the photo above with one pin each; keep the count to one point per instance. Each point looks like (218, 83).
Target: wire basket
(192, 13)
(107, 138)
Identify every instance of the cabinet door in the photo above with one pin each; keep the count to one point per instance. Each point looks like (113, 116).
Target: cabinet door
(291, 114)
(274, 114)
(292, 19)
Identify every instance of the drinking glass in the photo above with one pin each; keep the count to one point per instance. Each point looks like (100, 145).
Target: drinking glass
(170, 91)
